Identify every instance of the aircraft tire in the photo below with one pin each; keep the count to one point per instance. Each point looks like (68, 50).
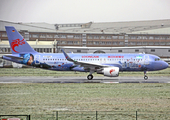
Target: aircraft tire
(145, 77)
(90, 77)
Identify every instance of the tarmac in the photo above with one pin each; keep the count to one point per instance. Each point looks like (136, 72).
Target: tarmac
(51, 79)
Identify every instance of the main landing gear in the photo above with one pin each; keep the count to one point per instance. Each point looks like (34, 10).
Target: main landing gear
(90, 77)
(145, 76)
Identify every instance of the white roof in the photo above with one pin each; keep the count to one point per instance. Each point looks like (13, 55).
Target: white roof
(33, 27)
(129, 27)
(161, 30)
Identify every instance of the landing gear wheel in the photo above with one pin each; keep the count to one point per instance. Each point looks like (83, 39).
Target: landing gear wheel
(145, 77)
(90, 77)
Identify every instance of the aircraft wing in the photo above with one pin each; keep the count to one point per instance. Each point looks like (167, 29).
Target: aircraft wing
(86, 65)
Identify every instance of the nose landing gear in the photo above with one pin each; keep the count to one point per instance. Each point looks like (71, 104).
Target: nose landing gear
(145, 76)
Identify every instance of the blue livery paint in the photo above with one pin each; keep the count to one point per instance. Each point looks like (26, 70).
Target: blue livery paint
(101, 63)
(17, 42)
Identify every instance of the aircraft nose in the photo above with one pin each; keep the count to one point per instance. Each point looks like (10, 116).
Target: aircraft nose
(165, 65)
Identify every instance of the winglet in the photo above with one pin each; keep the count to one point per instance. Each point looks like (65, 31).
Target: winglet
(66, 56)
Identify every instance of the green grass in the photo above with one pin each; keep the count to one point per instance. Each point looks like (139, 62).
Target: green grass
(41, 72)
(46, 99)
(43, 100)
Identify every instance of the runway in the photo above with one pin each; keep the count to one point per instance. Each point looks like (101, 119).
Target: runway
(51, 79)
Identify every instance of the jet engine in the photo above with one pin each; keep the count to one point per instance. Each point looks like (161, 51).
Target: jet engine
(110, 72)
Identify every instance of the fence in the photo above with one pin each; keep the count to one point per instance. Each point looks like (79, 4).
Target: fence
(96, 115)
(112, 115)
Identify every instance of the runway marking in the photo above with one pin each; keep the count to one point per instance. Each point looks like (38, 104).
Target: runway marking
(13, 82)
(110, 82)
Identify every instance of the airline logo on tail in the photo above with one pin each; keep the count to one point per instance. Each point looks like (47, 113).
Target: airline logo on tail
(15, 43)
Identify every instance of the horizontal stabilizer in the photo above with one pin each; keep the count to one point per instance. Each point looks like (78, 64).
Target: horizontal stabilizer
(14, 57)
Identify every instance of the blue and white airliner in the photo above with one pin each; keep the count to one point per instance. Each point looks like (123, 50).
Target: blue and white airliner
(107, 64)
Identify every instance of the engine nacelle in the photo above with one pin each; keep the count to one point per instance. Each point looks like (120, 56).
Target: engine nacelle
(111, 72)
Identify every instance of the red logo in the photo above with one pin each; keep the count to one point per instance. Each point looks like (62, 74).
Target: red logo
(112, 70)
(15, 43)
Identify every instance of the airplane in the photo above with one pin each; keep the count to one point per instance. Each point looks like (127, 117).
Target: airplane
(106, 64)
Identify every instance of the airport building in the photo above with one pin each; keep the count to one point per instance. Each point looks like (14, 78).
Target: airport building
(151, 36)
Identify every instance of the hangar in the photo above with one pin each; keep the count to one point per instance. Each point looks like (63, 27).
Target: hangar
(152, 36)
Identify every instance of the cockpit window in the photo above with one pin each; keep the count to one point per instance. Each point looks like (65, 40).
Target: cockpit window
(157, 59)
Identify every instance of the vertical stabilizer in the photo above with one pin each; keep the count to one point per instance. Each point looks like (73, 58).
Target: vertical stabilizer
(17, 43)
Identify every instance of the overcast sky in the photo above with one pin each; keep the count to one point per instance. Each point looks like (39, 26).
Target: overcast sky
(83, 11)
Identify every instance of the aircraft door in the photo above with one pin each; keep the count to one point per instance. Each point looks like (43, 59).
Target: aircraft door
(100, 60)
(37, 59)
(104, 60)
(146, 59)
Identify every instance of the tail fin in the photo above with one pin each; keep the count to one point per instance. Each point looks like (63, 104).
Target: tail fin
(17, 42)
